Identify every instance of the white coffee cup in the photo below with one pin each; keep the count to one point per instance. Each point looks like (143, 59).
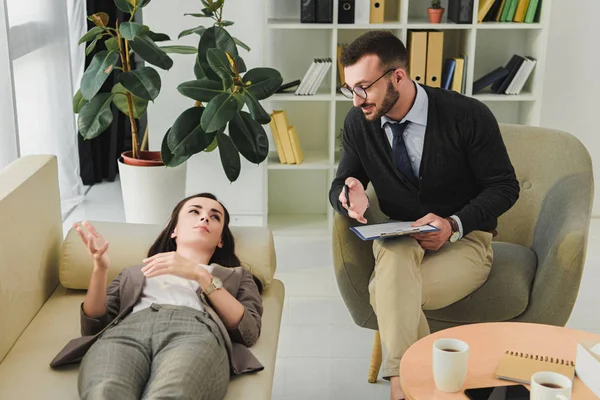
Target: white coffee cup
(450, 362)
(550, 386)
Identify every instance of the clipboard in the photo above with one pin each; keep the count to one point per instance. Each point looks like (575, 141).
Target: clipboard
(390, 229)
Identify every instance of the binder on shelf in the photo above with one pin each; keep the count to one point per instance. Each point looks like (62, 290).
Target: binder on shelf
(484, 7)
(531, 11)
(525, 71)
(512, 10)
(282, 123)
(377, 12)
(500, 11)
(417, 55)
(488, 79)
(521, 11)
(460, 11)
(493, 12)
(507, 5)
(513, 68)
(459, 73)
(295, 141)
(277, 141)
(362, 10)
(435, 53)
(448, 73)
(308, 11)
(314, 76)
(465, 57)
(324, 11)
(346, 11)
(340, 68)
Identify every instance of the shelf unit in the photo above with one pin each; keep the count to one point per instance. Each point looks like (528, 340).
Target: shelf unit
(298, 194)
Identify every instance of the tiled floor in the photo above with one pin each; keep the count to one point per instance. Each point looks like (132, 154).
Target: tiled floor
(322, 354)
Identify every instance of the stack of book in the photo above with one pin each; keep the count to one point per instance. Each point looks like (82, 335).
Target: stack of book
(509, 79)
(508, 11)
(454, 74)
(314, 76)
(285, 138)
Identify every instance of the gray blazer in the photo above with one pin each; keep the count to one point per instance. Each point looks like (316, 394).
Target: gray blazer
(124, 291)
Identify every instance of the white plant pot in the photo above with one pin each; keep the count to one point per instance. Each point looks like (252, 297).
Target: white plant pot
(151, 193)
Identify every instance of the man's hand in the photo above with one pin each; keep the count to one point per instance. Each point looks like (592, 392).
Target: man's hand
(358, 200)
(433, 240)
(175, 264)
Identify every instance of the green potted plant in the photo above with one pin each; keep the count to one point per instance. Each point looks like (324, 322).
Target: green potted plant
(435, 12)
(147, 189)
(222, 88)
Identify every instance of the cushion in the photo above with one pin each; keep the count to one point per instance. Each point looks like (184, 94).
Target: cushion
(25, 374)
(503, 296)
(129, 244)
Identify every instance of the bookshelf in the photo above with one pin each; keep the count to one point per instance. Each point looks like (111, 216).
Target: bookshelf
(297, 195)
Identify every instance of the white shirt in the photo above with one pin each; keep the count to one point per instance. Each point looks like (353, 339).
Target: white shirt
(414, 134)
(170, 289)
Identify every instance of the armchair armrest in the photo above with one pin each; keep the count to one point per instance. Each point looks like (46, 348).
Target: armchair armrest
(560, 241)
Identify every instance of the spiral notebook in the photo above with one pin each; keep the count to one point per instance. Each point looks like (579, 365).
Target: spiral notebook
(519, 367)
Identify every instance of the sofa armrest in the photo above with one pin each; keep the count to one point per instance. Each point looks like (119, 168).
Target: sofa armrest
(560, 242)
(30, 240)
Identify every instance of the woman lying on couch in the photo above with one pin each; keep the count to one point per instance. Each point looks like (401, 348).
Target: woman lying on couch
(175, 327)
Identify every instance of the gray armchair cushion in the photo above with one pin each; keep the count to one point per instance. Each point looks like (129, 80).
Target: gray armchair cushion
(503, 296)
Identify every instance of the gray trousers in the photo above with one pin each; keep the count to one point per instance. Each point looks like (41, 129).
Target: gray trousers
(162, 352)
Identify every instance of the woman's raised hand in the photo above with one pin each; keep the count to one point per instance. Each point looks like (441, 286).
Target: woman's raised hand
(95, 243)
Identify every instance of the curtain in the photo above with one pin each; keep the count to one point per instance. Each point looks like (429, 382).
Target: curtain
(99, 156)
(41, 80)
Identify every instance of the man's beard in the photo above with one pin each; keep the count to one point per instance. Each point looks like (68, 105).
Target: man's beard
(389, 101)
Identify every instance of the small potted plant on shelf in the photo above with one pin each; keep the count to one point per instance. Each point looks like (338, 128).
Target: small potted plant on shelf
(142, 180)
(435, 12)
(222, 89)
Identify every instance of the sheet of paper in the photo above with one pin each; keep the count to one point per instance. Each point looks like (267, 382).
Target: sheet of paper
(376, 230)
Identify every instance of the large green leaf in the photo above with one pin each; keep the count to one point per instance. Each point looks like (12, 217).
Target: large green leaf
(144, 83)
(129, 30)
(180, 49)
(91, 34)
(124, 6)
(199, 30)
(150, 52)
(249, 137)
(96, 116)
(230, 158)
(120, 101)
(201, 89)
(187, 136)
(91, 47)
(157, 37)
(218, 61)
(78, 102)
(168, 158)
(213, 145)
(256, 110)
(198, 71)
(240, 64)
(214, 37)
(241, 44)
(219, 112)
(263, 82)
(111, 44)
(94, 77)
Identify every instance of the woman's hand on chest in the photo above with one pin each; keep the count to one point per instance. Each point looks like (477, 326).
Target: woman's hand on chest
(173, 263)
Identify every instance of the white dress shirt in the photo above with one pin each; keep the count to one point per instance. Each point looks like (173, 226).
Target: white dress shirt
(170, 289)
(414, 134)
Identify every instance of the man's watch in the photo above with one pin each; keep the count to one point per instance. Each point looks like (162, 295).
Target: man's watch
(215, 284)
(455, 235)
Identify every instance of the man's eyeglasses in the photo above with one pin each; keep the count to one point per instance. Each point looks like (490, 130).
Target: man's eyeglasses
(361, 91)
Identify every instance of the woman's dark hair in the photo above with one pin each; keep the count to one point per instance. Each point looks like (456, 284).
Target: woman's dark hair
(384, 44)
(224, 256)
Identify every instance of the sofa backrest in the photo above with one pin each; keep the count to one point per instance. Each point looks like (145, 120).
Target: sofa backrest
(129, 244)
(30, 242)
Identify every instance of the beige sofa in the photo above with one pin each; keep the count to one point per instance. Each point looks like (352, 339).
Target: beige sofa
(42, 282)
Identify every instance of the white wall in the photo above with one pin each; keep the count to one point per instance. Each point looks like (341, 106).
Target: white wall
(571, 86)
(245, 196)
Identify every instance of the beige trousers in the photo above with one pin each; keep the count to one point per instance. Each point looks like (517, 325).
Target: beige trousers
(408, 280)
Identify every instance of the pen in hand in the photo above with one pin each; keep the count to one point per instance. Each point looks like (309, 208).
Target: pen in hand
(347, 191)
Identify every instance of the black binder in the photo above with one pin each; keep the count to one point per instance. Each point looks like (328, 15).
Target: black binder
(346, 12)
(460, 11)
(308, 11)
(325, 11)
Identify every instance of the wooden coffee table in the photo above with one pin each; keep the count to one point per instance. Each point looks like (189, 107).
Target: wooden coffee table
(487, 343)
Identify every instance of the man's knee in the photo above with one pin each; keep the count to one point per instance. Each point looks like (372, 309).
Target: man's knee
(397, 251)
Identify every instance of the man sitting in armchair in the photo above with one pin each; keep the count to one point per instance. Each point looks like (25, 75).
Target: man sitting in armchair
(434, 157)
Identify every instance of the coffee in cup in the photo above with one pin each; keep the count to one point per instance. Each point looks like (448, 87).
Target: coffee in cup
(450, 362)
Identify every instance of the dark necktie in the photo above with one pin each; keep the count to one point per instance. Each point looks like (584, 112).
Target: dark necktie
(401, 159)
